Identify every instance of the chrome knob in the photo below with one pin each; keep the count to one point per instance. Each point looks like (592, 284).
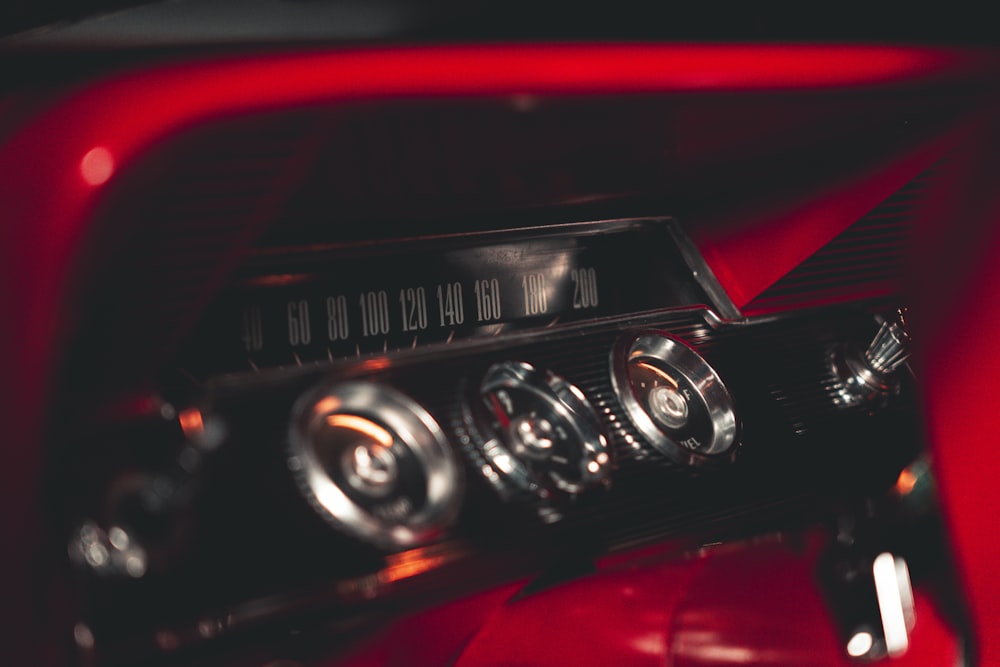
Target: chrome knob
(675, 399)
(534, 436)
(534, 433)
(371, 468)
(374, 464)
(145, 521)
(668, 406)
(869, 376)
(891, 347)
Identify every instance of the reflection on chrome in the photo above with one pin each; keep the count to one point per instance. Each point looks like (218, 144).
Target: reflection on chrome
(83, 636)
(537, 433)
(108, 553)
(860, 644)
(869, 376)
(192, 422)
(674, 398)
(895, 601)
(374, 463)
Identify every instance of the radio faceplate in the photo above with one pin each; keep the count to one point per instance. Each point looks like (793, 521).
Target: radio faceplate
(798, 453)
(375, 423)
(294, 306)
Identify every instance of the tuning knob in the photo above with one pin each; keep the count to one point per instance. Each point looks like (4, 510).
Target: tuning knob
(374, 464)
(536, 436)
(675, 399)
(145, 519)
(869, 375)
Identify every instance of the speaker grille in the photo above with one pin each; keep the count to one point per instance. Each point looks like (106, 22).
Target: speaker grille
(864, 261)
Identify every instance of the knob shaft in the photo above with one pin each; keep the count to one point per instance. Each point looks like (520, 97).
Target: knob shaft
(890, 348)
(869, 376)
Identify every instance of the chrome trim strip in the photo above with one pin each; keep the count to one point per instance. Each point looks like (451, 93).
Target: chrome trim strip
(703, 275)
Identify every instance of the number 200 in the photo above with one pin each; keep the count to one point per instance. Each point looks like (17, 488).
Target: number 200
(584, 288)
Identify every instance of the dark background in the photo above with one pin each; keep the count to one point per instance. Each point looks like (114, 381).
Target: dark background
(522, 19)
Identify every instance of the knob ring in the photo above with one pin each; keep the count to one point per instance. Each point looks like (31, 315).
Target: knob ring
(413, 430)
(516, 473)
(663, 351)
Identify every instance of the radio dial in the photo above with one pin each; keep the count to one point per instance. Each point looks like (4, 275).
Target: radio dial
(538, 435)
(675, 399)
(374, 464)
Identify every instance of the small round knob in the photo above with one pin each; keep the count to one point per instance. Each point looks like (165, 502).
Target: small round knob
(371, 468)
(532, 436)
(669, 407)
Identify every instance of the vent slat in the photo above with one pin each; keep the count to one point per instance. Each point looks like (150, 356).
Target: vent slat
(864, 261)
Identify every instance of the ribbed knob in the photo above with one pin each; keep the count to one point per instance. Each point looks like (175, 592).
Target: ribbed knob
(890, 348)
(869, 376)
(374, 464)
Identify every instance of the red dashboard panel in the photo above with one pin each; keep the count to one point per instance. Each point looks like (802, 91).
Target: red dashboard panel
(742, 605)
(955, 284)
(55, 169)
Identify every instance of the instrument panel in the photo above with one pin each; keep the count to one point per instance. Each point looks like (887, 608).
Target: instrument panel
(376, 420)
(264, 441)
(294, 306)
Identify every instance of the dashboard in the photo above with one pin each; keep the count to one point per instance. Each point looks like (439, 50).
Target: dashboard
(506, 353)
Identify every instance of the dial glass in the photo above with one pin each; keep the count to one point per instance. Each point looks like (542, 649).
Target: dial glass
(542, 437)
(672, 402)
(370, 465)
(675, 398)
(540, 434)
(303, 306)
(374, 463)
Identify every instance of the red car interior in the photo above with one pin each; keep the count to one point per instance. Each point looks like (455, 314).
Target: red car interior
(819, 187)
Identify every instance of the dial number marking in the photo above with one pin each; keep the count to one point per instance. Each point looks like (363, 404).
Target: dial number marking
(374, 313)
(584, 288)
(487, 300)
(450, 306)
(337, 325)
(413, 303)
(298, 323)
(535, 297)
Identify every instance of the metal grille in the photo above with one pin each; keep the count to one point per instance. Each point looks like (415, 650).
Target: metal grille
(865, 261)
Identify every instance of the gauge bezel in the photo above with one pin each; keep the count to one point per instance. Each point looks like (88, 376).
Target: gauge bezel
(569, 403)
(412, 426)
(662, 349)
